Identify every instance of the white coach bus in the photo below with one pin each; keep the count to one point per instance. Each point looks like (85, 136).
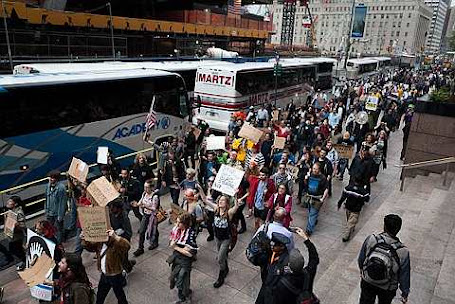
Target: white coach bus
(49, 118)
(226, 89)
(383, 63)
(361, 68)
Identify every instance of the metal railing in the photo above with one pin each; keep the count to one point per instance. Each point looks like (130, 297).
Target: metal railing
(440, 161)
(46, 179)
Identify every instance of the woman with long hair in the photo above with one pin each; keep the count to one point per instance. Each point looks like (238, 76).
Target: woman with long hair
(73, 287)
(222, 227)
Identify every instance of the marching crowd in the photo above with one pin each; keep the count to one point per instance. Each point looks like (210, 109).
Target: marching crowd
(276, 180)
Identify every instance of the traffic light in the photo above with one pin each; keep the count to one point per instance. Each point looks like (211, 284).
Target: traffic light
(277, 70)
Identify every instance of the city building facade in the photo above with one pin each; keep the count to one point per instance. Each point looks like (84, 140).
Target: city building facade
(391, 27)
(435, 33)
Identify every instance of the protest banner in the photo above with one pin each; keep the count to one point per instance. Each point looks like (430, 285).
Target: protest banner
(37, 246)
(249, 132)
(344, 151)
(279, 142)
(94, 222)
(371, 103)
(216, 143)
(38, 272)
(275, 115)
(101, 155)
(175, 213)
(102, 192)
(10, 223)
(78, 169)
(228, 180)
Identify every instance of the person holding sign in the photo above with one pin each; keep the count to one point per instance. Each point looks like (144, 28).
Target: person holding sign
(17, 229)
(261, 189)
(110, 260)
(223, 216)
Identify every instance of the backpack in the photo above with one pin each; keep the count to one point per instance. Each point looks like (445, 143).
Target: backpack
(382, 262)
(304, 294)
(258, 250)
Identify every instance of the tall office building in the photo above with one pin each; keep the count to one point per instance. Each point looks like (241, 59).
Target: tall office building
(391, 26)
(435, 32)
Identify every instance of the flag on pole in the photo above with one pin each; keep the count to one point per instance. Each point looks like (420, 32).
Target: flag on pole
(150, 121)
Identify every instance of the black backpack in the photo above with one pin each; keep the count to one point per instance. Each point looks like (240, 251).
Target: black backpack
(303, 295)
(258, 250)
(382, 262)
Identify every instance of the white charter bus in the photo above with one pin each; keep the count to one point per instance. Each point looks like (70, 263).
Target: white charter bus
(227, 89)
(49, 118)
(361, 68)
(383, 64)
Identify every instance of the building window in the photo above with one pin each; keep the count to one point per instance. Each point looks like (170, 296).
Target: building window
(407, 24)
(398, 33)
(410, 15)
(406, 34)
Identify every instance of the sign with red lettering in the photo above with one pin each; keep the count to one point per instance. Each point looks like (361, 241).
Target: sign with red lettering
(215, 79)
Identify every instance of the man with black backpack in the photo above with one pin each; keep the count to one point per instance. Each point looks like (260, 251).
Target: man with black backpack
(384, 265)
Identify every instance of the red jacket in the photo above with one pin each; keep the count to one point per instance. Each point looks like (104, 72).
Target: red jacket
(325, 130)
(254, 182)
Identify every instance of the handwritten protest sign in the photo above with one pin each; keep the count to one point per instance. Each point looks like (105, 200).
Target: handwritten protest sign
(176, 211)
(38, 273)
(78, 169)
(102, 154)
(216, 143)
(371, 103)
(249, 132)
(101, 192)
(10, 223)
(228, 180)
(94, 223)
(279, 142)
(344, 151)
(293, 171)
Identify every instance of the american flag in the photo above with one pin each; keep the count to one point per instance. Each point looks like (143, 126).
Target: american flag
(151, 116)
(234, 7)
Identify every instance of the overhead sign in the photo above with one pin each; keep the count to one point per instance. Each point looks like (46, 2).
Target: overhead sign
(358, 26)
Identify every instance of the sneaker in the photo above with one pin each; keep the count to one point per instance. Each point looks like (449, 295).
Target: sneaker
(138, 252)
(345, 239)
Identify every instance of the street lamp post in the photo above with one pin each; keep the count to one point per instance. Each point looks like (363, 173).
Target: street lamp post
(112, 28)
(10, 57)
(348, 40)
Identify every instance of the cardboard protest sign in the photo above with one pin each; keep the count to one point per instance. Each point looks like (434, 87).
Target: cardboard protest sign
(249, 132)
(101, 155)
(284, 115)
(228, 180)
(78, 169)
(275, 115)
(94, 222)
(10, 223)
(216, 143)
(102, 192)
(279, 142)
(175, 213)
(37, 246)
(293, 171)
(344, 151)
(38, 273)
(371, 103)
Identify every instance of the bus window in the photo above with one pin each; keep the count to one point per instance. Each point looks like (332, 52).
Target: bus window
(183, 99)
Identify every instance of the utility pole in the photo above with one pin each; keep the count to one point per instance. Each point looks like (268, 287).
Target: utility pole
(10, 57)
(277, 70)
(348, 41)
(112, 28)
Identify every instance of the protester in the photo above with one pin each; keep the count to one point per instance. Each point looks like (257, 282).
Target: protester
(191, 206)
(283, 200)
(355, 196)
(18, 240)
(55, 205)
(130, 188)
(183, 243)
(261, 189)
(149, 205)
(141, 171)
(171, 176)
(73, 286)
(384, 264)
(110, 260)
(316, 186)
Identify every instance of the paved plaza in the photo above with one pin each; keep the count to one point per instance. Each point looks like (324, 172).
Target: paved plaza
(428, 213)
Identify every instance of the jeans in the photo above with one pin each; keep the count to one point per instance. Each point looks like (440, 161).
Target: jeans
(73, 215)
(58, 225)
(222, 246)
(78, 248)
(175, 194)
(182, 282)
(312, 218)
(238, 216)
(136, 212)
(106, 283)
(369, 293)
(143, 229)
(342, 165)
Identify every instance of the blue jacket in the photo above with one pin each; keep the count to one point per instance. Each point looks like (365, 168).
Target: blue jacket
(56, 200)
